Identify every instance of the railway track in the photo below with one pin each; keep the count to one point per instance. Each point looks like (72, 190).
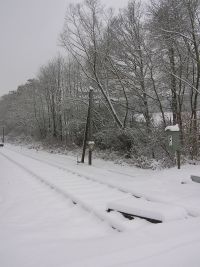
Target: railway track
(78, 173)
(89, 194)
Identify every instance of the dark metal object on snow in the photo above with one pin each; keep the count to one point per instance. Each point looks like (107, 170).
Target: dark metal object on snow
(195, 178)
(132, 216)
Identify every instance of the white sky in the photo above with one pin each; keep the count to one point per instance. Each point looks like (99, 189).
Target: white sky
(29, 31)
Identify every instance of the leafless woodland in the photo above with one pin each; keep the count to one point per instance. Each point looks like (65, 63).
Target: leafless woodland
(143, 64)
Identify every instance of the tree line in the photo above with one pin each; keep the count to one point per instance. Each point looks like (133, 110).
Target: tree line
(143, 65)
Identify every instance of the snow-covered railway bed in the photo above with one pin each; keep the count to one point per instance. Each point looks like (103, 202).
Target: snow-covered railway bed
(148, 186)
(90, 196)
(95, 174)
(60, 161)
(31, 210)
(41, 225)
(81, 172)
(170, 186)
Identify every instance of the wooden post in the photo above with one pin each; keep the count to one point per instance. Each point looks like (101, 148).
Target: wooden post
(90, 157)
(85, 139)
(178, 156)
(3, 136)
(88, 130)
(90, 125)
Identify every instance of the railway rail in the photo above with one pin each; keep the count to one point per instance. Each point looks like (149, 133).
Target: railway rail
(89, 194)
(78, 173)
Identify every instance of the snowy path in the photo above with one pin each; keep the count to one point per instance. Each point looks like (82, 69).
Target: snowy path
(40, 226)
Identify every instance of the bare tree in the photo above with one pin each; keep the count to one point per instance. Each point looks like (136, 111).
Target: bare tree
(83, 37)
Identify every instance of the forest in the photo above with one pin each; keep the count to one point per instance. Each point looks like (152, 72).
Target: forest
(143, 65)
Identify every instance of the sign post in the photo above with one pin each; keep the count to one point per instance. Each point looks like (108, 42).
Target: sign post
(90, 132)
(173, 141)
(2, 138)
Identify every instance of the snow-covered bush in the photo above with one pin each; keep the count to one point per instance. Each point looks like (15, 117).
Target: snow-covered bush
(115, 139)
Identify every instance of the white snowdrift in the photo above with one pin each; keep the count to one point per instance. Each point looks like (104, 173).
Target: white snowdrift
(148, 209)
(173, 128)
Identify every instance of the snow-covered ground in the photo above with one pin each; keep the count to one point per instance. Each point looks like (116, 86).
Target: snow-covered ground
(53, 213)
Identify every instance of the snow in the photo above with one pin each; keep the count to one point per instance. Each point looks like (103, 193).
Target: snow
(41, 226)
(148, 209)
(173, 128)
(156, 117)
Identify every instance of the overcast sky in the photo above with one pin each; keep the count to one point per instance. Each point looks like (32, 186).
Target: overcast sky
(29, 32)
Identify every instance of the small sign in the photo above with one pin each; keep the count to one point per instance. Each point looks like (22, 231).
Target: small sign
(170, 140)
(173, 140)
